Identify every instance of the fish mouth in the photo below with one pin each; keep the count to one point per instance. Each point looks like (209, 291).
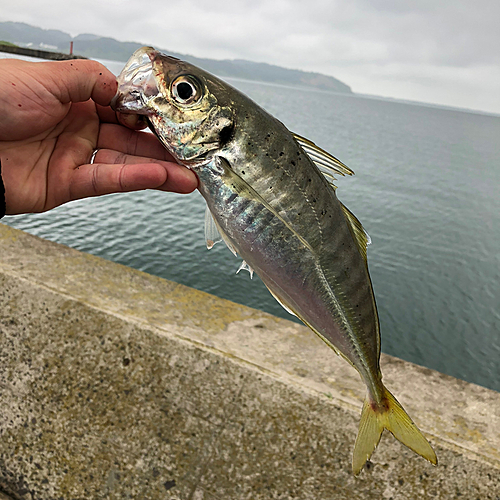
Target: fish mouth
(137, 83)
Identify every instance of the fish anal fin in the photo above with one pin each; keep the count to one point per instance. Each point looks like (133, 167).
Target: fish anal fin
(390, 415)
(281, 303)
(214, 234)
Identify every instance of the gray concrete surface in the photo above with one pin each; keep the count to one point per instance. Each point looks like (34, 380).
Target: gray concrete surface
(115, 384)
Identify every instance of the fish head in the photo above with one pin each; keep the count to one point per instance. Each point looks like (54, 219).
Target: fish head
(183, 105)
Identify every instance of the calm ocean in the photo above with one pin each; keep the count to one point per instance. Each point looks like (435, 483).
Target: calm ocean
(426, 190)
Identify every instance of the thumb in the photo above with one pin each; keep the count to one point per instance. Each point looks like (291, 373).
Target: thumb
(79, 80)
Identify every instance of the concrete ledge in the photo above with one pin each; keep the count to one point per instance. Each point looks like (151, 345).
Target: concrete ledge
(116, 384)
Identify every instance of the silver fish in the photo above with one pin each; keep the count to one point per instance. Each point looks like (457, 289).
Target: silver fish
(270, 196)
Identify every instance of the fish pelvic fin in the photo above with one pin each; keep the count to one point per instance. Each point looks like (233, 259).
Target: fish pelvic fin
(390, 415)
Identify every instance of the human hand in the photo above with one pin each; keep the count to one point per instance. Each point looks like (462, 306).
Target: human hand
(54, 115)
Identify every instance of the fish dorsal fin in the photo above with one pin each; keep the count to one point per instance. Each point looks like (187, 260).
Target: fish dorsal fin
(330, 179)
(213, 233)
(361, 237)
(327, 163)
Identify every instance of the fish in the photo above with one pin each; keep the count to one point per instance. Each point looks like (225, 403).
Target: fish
(271, 198)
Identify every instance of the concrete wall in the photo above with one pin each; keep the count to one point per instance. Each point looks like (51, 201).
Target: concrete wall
(115, 384)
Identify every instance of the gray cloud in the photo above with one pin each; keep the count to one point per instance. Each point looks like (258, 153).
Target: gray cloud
(443, 52)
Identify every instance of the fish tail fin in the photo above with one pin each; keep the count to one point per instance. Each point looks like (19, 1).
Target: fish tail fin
(390, 415)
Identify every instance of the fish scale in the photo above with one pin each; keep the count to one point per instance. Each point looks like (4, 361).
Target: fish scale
(270, 196)
(337, 305)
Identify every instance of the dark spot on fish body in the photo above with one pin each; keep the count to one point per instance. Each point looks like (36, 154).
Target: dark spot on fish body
(281, 154)
(293, 163)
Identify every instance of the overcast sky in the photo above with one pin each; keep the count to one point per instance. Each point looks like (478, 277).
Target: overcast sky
(436, 51)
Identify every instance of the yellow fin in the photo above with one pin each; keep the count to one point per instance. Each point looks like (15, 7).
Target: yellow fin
(388, 415)
(326, 162)
(361, 237)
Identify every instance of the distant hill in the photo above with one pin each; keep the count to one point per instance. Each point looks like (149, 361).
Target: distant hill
(97, 47)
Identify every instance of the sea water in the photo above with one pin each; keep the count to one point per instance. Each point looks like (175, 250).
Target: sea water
(426, 189)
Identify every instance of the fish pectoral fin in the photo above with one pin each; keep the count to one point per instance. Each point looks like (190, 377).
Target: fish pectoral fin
(361, 237)
(327, 163)
(246, 267)
(242, 188)
(390, 415)
(214, 234)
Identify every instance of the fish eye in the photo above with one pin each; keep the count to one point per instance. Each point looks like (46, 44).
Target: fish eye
(185, 90)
